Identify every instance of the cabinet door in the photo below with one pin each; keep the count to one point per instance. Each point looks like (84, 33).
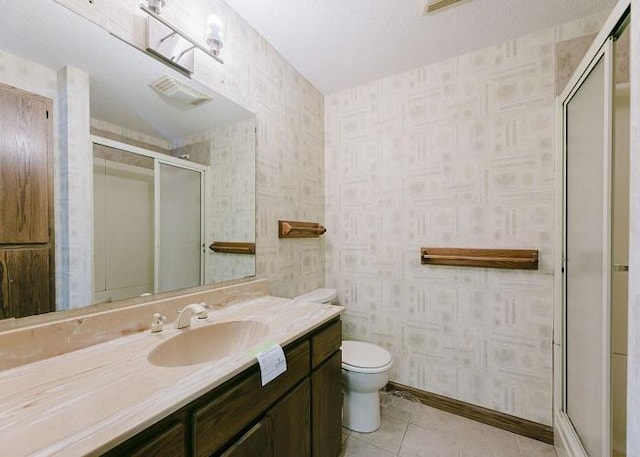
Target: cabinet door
(326, 408)
(255, 443)
(290, 423)
(24, 282)
(24, 168)
(239, 403)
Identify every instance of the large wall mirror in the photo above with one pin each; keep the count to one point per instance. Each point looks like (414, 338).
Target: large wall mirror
(147, 168)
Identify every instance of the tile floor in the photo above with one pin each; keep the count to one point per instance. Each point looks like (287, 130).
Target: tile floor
(410, 429)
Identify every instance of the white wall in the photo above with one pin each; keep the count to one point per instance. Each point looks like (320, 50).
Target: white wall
(455, 154)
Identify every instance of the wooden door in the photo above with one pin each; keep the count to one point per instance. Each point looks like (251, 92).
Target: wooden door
(326, 408)
(25, 282)
(290, 423)
(24, 167)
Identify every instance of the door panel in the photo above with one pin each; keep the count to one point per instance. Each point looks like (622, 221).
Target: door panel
(326, 408)
(28, 282)
(24, 184)
(179, 229)
(588, 257)
(290, 423)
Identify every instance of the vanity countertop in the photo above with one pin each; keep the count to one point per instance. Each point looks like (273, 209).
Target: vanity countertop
(88, 401)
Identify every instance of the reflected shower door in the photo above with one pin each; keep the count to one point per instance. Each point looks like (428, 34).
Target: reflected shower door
(588, 255)
(178, 228)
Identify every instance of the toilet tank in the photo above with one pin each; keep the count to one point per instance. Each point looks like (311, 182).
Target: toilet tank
(319, 296)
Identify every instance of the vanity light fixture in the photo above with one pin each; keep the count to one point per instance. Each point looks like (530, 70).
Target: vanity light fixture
(214, 34)
(174, 46)
(156, 5)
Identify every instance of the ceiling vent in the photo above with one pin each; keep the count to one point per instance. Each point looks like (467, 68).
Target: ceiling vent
(179, 92)
(434, 6)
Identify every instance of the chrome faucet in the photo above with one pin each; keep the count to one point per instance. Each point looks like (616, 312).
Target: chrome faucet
(185, 314)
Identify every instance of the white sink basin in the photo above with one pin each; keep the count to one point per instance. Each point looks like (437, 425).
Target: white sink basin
(209, 343)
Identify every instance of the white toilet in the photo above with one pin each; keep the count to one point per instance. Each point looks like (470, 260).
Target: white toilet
(365, 370)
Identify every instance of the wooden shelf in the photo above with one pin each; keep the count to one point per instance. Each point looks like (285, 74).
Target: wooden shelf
(520, 259)
(299, 229)
(233, 247)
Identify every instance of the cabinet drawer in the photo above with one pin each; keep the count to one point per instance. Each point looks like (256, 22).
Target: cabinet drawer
(235, 406)
(326, 342)
(166, 440)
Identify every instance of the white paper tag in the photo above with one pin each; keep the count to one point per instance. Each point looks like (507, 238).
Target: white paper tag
(272, 363)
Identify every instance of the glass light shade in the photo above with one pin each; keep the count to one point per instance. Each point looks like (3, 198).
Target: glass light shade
(156, 5)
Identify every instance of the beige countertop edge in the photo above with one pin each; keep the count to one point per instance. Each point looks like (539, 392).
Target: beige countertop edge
(88, 401)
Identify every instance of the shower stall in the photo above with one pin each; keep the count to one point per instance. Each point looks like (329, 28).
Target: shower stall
(592, 275)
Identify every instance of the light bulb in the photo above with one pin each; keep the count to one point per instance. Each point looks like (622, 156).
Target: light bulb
(214, 34)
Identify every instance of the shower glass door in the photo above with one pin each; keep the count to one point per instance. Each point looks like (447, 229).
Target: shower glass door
(179, 227)
(587, 254)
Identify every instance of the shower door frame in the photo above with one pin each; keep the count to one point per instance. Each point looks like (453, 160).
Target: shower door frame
(566, 437)
(174, 161)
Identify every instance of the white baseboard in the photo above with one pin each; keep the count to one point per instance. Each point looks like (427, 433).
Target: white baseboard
(567, 443)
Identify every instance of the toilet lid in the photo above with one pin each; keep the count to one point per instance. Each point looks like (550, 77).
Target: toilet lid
(319, 296)
(364, 355)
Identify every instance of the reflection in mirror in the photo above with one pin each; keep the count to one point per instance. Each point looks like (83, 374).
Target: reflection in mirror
(148, 222)
(144, 168)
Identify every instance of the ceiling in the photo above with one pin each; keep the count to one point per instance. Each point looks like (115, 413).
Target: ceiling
(339, 44)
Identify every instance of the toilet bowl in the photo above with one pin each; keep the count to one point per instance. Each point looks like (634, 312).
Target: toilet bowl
(365, 370)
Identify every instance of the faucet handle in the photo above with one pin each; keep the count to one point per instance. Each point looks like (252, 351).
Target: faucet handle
(204, 313)
(158, 323)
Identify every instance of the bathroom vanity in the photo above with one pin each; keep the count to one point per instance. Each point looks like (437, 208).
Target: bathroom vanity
(89, 385)
(298, 414)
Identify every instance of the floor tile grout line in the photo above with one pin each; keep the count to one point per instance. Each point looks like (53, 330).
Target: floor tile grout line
(371, 444)
(404, 435)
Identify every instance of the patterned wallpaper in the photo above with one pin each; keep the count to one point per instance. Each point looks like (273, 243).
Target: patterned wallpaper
(289, 115)
(230, 154)
(455, 154)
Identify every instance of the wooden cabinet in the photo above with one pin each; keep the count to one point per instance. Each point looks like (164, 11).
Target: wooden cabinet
(25, 280)
(290, 421)
(26, 204)
(326, 407)
(168, 442)
(166, 438)
(255, 443)
(298, 414)
(24, 167)
(233, 406)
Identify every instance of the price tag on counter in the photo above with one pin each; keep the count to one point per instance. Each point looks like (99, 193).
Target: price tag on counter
(272, 363)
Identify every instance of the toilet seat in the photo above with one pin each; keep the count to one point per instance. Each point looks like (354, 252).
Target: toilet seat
(361, 357)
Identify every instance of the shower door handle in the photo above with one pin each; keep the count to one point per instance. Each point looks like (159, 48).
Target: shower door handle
(620, 267)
